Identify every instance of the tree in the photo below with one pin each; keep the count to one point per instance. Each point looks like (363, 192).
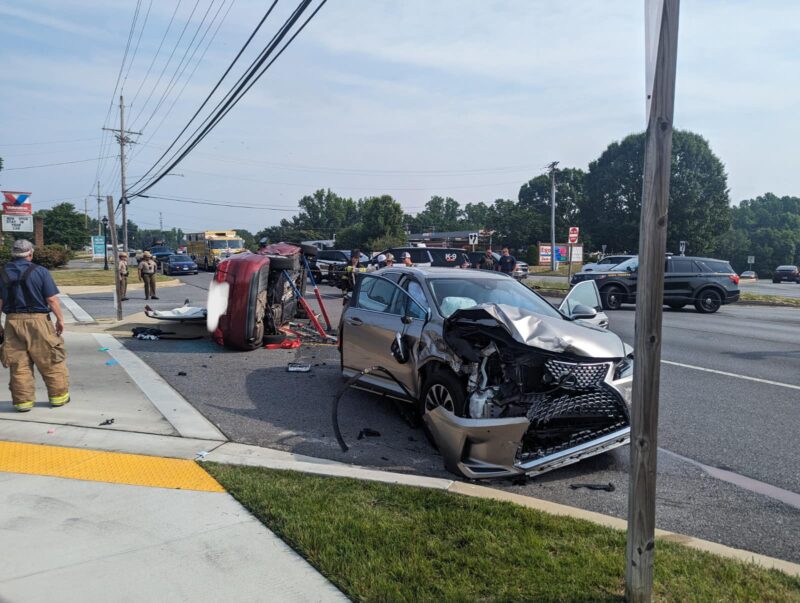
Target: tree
(767, 227)
(440, 215)
(476, 216)
(64, 226)
(249, 238)
(699, 210)
(535, 195)
(516, 226)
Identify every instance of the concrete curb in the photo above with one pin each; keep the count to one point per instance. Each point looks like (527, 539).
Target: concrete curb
(132, 286)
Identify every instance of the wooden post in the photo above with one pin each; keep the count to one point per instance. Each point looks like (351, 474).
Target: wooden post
(649, 302)
(569, 270)
(38, 231)
(115, 255)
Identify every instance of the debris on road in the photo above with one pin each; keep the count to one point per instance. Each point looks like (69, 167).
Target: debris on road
(606, 487)
(298, 367)
(111, 362)
(201, 455)
(181, 373)
(102, 349)
(107, 422)
(368, 433)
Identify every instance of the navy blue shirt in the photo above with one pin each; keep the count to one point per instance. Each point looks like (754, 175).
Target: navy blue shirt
(40, 286)
(507, 263)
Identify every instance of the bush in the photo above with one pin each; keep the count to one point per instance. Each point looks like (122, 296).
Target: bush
(51, 256)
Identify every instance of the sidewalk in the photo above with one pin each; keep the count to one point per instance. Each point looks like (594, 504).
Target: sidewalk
(95, 525)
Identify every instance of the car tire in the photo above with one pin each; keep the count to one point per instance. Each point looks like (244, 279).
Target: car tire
(676, 305)
(280, 262)
(442, 388)
(708, 301)
(612, 297)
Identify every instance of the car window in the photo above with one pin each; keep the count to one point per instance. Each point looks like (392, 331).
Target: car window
(420, 256)
(789, 268)
(717, 266)
(414, 290)
(453, 294)
(612, 259)
(378, 295)
(682, 265)
(446, 257)
(584, 293)
(631, 265)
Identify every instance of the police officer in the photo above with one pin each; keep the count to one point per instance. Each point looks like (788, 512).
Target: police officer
(488, 263)
(123, 276)
(507, 263)
(147, 273)
(29, 294)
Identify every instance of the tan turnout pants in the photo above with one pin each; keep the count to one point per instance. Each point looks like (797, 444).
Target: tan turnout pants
(149, 285)
(31, 340)
(123, 286)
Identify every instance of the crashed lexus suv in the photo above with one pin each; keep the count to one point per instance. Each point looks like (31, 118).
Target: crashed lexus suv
(506, 384)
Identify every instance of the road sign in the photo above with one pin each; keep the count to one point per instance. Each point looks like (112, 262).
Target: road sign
(682, 247)
(573, 234)
(16, 203)
(12, 223)
(473, 238)
(98, 246)
(751, 259)
(603, 247)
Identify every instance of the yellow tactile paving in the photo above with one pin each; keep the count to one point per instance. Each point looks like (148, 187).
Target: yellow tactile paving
(99, 466)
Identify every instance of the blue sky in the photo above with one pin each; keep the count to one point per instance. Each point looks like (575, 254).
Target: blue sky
(411, 98)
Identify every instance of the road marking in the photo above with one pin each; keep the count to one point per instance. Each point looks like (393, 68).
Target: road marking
(753, 485)
(110, 467)
(735, 375)
(185, 418)
(79, 313)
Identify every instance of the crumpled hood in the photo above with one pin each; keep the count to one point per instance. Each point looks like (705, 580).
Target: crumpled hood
(543, 332)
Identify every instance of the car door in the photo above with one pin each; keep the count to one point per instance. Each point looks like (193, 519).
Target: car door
(585, 293)
(678, 276)
(378, 314)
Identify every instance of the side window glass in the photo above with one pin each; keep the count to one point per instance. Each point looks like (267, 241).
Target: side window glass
(377, 295)
(420, 256)
(585, 293)
(415, 291)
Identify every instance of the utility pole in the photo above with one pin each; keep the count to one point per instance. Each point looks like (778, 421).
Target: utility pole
(99, 198)
(552, 168)
(661, 32)
(115, 256)
(122, 138)
(85, 214)
(161, 223)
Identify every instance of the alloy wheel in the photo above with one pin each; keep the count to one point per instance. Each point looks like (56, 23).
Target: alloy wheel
(438, 395)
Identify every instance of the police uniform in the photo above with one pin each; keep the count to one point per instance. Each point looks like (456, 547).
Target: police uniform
(147, 273)
(123, 276)
(30, 337)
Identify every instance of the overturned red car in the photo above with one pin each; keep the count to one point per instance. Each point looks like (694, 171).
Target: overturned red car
(253, 294)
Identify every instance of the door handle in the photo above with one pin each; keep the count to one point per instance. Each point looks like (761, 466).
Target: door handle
(354, 321)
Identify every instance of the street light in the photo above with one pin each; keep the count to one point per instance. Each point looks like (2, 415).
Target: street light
(105, 242)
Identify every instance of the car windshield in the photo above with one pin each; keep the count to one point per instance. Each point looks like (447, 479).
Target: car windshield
(451, 294)
(161, 250)
(631, 265)
(179, 258)
(235, 244)
(219, 244)
(788, 268)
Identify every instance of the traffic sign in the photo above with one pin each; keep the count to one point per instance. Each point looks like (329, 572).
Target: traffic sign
(683, 247)
(12, 223)
(573, 234)
(473, 238)
(751, 259)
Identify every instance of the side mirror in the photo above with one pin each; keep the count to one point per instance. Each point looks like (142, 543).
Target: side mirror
(582, 312)
(399, 349)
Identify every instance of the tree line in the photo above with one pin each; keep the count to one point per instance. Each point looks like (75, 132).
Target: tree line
(604, 201)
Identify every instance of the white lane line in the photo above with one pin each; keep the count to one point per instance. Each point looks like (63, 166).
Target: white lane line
(735, 375)
(753, 485)
(79, 313)
(185, 418)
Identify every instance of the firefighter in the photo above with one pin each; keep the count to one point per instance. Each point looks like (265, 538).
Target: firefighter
(147, 273)
(389, 260)
(349, 276)
(29, 294)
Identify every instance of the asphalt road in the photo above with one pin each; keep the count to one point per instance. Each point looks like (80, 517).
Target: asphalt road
(745, 422)
(767, 287)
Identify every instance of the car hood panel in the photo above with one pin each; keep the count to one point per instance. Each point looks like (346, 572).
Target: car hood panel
(542, 332)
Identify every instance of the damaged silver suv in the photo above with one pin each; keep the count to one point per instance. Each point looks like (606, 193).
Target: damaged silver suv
(506, 384)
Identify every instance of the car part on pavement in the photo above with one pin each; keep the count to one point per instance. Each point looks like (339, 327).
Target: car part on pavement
(609, 487)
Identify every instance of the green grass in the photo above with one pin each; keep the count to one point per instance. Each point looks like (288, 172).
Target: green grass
(547, 285)
(68, 278)
(773, 300)
(563, 270)
(382, 542)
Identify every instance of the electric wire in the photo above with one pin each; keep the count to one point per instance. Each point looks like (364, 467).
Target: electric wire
(136, 48)
(31, 167)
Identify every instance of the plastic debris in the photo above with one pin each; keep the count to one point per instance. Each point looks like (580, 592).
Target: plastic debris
(607, 487)
(201, 455)
(51, 431)
(102, 349)
(298, 367)
(181, 373)
(368, 433)
(107, 422)
(111, 362)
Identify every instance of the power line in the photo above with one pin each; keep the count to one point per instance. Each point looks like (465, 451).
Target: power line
(30, 144)
(247, 81)
(136, 49)
(31, 167)
(218, 204)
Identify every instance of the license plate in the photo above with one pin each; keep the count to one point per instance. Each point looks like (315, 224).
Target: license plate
(185, 268)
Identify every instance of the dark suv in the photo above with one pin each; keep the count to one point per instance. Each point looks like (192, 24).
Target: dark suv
(786, 273)
(444, 257)
(705, 282)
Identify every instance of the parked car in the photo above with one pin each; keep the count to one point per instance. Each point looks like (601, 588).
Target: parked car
(521, 272)
(705, 282)
(161, 253)
(786, 273)
(250, 296)
(606, 263)
(443, 257)
(505, 383)
(748, 275)
(178, 264)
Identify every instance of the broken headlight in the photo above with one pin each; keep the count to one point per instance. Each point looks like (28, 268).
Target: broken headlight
(623, 379)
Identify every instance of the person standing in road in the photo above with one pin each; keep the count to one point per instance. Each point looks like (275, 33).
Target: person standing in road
(507, 263)
(147, 273)
(29, 294)
(487, 262)
(123, 276)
